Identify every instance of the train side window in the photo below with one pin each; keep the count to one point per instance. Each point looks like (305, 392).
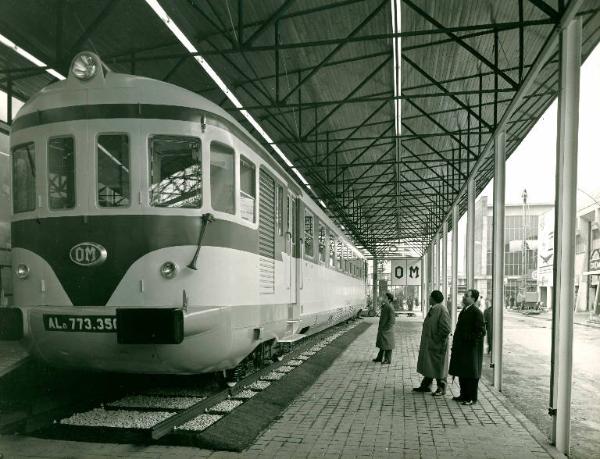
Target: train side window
(340, 255)
(322, 242)
(292, 219)
(113, 186)
(247, 189)
(222, 178)
(279, 210)
(175, 172)
(331, 250)
(61, 173)
(309, 249)
(23, 168)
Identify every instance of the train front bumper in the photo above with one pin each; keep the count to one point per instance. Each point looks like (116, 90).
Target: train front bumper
(138, 340)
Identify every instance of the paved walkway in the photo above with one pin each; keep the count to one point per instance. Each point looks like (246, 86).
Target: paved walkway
(356, 408)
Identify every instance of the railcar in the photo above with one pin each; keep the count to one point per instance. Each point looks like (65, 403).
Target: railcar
(152, 233)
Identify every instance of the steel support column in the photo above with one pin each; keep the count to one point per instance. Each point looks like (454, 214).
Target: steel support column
(428, 272)
(375, 280)
(454, 286)
(570, 63)
(444, 270)
(471, 234)
(435, 264)
(498, 257)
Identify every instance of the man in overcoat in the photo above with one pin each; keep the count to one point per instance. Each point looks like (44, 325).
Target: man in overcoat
(488, 318)
(385, 333)
(467, 348)
(434, 344)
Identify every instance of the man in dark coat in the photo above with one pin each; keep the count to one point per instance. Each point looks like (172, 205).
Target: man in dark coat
(488, 317)
(434, 344)
(385, 333)
(467, 349)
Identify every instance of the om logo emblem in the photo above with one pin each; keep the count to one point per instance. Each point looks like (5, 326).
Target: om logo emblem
(88, 254)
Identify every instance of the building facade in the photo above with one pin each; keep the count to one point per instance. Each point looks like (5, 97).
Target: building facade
(587, 259)
(521, 228)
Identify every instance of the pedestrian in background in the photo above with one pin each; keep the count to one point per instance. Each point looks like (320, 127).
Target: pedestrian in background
(434, 344)
(467, 349)
(385, 333)
(488, 318)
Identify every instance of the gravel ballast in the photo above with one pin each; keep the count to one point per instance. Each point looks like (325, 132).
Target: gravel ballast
(122, 419)
(200, 423)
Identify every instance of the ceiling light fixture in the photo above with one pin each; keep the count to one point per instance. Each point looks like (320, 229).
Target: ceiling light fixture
(187, 44)
(30, 57)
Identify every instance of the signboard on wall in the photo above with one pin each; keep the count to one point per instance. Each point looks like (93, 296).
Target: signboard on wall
(545, 255)
(406, 271)
(595, 260)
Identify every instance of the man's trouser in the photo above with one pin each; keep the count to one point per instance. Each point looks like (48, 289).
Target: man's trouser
(468, 388)
(386, 356)
(426, 383)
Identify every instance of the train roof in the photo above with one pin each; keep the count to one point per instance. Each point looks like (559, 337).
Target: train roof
(108, 87)
(111, 87)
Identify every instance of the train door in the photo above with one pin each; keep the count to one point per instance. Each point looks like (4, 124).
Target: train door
(292, 236)
(293, 269)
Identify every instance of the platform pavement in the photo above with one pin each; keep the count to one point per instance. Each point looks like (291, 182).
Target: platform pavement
(357, 408)
(11, 356)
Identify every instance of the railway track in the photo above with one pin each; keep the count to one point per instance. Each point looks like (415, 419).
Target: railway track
(151, 414)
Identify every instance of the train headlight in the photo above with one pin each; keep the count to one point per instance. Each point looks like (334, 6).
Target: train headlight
(22, 271)
(168, 270)
(84, 66)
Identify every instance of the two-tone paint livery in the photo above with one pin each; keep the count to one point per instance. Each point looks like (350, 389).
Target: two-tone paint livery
(132, 196)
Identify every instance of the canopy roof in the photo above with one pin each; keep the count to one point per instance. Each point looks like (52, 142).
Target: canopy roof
(318, 76)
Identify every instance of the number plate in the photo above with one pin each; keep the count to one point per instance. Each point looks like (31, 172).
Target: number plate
(92, 324)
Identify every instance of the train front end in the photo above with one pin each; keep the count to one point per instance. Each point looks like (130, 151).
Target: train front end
(108, 215)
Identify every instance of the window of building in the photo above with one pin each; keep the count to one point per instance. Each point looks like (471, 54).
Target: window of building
(113, 187)
(61, 173)
(331, 249)
(322, 242)
(279, 210)
(222, 178)
(175, 172)
(23, 168)
(308, 234)
(247, 189)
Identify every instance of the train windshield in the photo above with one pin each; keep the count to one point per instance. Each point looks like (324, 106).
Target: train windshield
(113, 188)
(61, 173)
(175, 172)
(23, 165)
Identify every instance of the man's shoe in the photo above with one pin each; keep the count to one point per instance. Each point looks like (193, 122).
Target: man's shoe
(421, 389)
(386, 362)
(376, 360)
(469, 402)
(458, 399)
(439, 393)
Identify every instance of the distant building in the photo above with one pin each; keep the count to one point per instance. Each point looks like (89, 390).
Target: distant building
(521, 228)
(587, 258)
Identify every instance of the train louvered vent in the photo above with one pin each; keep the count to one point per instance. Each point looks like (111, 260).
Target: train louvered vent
(266, 234)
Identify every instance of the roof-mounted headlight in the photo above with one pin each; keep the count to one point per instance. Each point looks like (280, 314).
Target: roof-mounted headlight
(22, 271)
(168, 270)
(84, 66)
